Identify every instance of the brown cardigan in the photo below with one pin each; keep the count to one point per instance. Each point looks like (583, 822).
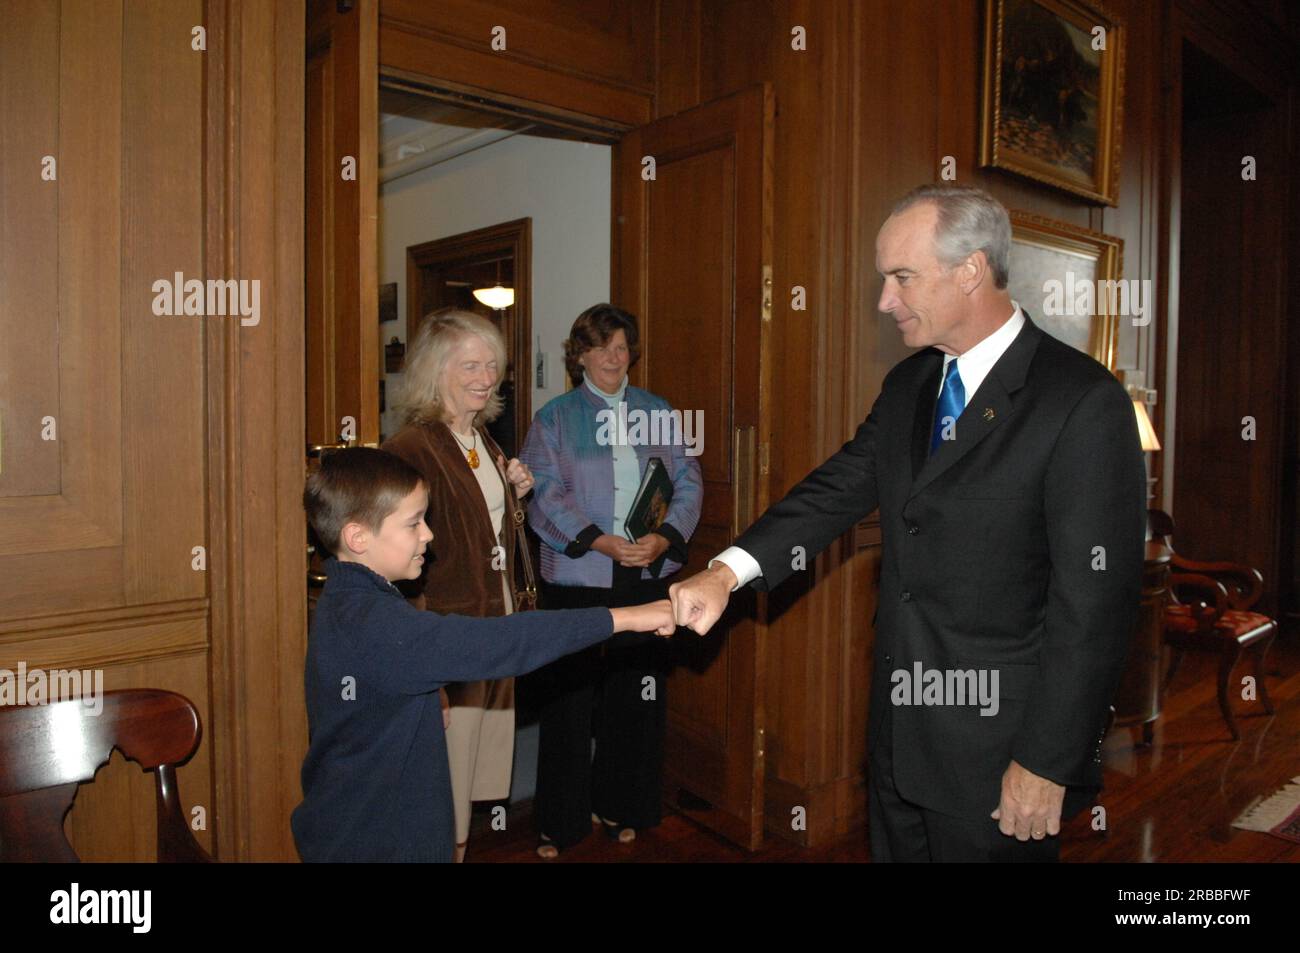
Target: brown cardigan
(458, 576)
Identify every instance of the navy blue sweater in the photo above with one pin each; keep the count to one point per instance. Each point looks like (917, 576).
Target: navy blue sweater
(375, 780)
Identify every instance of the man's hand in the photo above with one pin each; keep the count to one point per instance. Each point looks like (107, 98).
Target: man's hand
(1031, 806)
(699, 601)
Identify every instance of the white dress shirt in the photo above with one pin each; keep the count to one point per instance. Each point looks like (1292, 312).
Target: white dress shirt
(972, 367)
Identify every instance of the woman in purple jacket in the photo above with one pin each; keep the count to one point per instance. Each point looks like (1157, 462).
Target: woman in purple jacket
(588, 467)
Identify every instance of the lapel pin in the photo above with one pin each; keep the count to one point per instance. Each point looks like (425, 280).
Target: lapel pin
(988, 413)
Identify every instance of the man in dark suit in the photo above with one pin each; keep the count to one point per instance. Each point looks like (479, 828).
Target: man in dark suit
(1009, 476)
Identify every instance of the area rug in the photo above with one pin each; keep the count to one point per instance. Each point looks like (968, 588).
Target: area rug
(1278, 814)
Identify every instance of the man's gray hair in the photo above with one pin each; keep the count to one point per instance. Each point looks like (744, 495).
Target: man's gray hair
(970, 220)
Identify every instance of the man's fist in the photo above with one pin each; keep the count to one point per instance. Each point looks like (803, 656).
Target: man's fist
(701, 599)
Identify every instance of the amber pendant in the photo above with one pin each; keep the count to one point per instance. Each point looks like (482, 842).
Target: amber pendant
(472, 457)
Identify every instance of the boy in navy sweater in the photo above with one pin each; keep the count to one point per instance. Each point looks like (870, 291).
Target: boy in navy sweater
(375, 780)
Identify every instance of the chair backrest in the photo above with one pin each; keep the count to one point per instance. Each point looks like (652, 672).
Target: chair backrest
(47, 750)
(1162, 528)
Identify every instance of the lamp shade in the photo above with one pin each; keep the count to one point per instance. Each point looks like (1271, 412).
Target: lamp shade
(497, 298)
(1145, 430)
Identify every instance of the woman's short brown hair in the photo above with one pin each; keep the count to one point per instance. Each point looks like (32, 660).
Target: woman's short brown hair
(356, 485)
(593, 328)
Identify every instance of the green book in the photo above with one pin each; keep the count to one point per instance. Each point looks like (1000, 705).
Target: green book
(650, 507)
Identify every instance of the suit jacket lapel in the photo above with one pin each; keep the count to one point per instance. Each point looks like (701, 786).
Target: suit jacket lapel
(988, 408)
(927, 396)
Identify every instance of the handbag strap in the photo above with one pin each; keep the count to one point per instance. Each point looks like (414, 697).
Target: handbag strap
(521, 542)
(529, 592)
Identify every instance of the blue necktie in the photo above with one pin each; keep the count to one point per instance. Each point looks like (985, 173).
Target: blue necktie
(952, 401)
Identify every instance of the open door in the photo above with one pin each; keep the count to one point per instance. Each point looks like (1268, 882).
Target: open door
(692, 239)
(342, 197)
(342, 222)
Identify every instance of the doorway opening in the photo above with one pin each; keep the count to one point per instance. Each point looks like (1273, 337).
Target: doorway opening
(471, 196)
(681, 237)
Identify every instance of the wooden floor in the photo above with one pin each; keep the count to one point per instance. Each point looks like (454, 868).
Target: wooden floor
(1173, 801)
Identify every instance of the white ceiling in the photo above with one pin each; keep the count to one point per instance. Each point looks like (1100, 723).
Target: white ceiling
(416, 132)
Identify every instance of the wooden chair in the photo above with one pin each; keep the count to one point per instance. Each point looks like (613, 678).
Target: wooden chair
(47, 750)
(1221, 622)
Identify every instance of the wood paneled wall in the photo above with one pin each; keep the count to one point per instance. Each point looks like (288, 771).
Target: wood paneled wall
(173, 431)
(97, 525)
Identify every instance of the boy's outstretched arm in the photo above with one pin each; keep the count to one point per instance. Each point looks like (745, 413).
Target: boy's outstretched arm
(413, 652)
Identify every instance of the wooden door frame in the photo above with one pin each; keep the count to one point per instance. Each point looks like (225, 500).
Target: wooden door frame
(589, 127)
(253, 211)
(610, 129)
(514, 238)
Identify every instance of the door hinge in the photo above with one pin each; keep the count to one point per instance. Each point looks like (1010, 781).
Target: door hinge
(767, 293)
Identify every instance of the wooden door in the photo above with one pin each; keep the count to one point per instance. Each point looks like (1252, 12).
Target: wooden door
(692, 242)
(342, 197)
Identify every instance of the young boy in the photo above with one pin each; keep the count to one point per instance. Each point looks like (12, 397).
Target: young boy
(375, 780)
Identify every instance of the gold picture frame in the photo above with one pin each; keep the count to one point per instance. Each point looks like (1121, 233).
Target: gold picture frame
(1050, 262)
(1052, 106)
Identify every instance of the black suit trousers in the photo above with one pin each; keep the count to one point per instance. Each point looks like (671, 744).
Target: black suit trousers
(901, 831)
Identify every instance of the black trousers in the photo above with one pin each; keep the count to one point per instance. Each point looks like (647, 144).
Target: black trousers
(601, 692)
(905, 832)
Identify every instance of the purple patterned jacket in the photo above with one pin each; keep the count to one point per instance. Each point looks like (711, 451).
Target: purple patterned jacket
(573, 498)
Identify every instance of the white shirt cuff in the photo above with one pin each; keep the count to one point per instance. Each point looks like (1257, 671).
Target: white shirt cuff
(741, 563)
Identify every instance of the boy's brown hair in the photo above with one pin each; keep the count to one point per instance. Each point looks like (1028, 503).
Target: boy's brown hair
(356, 485)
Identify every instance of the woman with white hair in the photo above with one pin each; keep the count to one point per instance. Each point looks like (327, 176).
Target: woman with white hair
(447, 395)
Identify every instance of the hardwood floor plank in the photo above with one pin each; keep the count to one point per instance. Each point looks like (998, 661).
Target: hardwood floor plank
(1172, 802)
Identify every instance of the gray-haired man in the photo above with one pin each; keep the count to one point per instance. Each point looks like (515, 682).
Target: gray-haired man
(1008, 473)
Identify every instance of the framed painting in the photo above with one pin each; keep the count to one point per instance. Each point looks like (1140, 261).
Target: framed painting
(1069, 281)
(388, 302)
(1053, 94)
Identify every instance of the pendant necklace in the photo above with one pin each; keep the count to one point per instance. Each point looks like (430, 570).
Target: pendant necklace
(471, 452)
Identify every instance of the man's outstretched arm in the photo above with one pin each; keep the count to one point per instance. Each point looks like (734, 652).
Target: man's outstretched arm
(816, 511)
